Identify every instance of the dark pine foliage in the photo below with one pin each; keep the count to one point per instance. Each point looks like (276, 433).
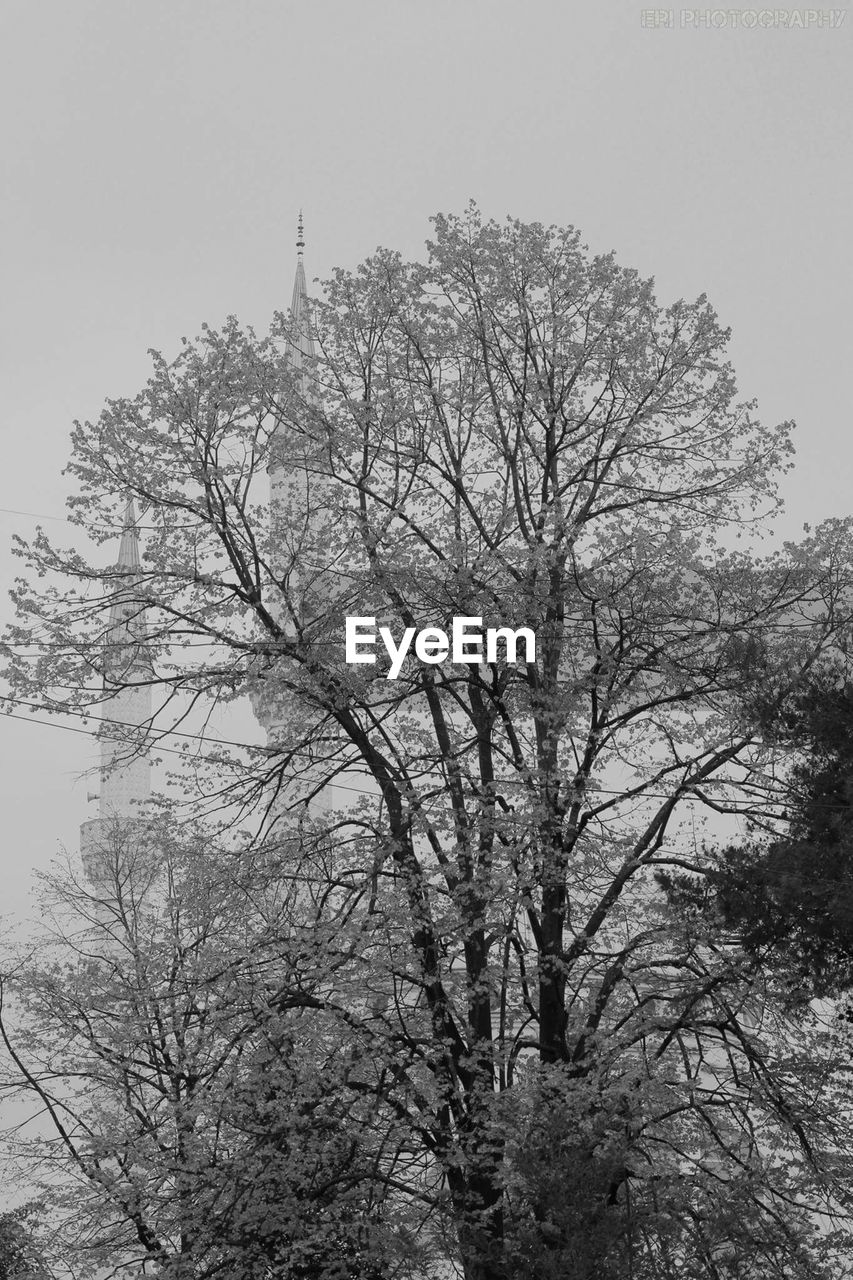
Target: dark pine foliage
(20, 1256)
(790, 901)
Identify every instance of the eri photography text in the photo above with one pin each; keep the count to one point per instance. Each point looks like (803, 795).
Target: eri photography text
(433, 645)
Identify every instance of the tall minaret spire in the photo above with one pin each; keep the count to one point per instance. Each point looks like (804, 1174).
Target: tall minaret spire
(302, 353)
(125, 787)
(298, 513)
(125, 783)
(288, 466)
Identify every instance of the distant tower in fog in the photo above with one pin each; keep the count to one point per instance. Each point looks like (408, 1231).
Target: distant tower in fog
(290, 449)
(297, 513)
(125, 781)
(302, 352)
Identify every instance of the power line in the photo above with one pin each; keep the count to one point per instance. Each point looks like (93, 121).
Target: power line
(121, 724)
(116, 527)
(259, 747)
(36, 515)
(173, 751)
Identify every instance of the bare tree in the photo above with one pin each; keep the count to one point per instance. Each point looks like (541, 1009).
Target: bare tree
(518, 433)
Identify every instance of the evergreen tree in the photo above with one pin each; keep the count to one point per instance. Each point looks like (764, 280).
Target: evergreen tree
(789, 899)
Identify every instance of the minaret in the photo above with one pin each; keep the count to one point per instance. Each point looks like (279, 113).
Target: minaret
(296, 510)
(302, 353)
(290, 448)
(125, 780)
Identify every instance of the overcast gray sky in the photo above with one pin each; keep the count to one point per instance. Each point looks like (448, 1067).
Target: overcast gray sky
(156, 153)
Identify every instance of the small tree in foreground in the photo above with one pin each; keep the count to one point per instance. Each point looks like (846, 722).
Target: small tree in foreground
(21, 1257)
(516, 432)
(191, 1084)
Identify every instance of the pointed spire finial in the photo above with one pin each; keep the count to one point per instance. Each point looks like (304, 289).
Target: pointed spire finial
(300, 236)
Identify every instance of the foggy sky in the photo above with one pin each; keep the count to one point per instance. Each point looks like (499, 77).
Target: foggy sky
(155, 156)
